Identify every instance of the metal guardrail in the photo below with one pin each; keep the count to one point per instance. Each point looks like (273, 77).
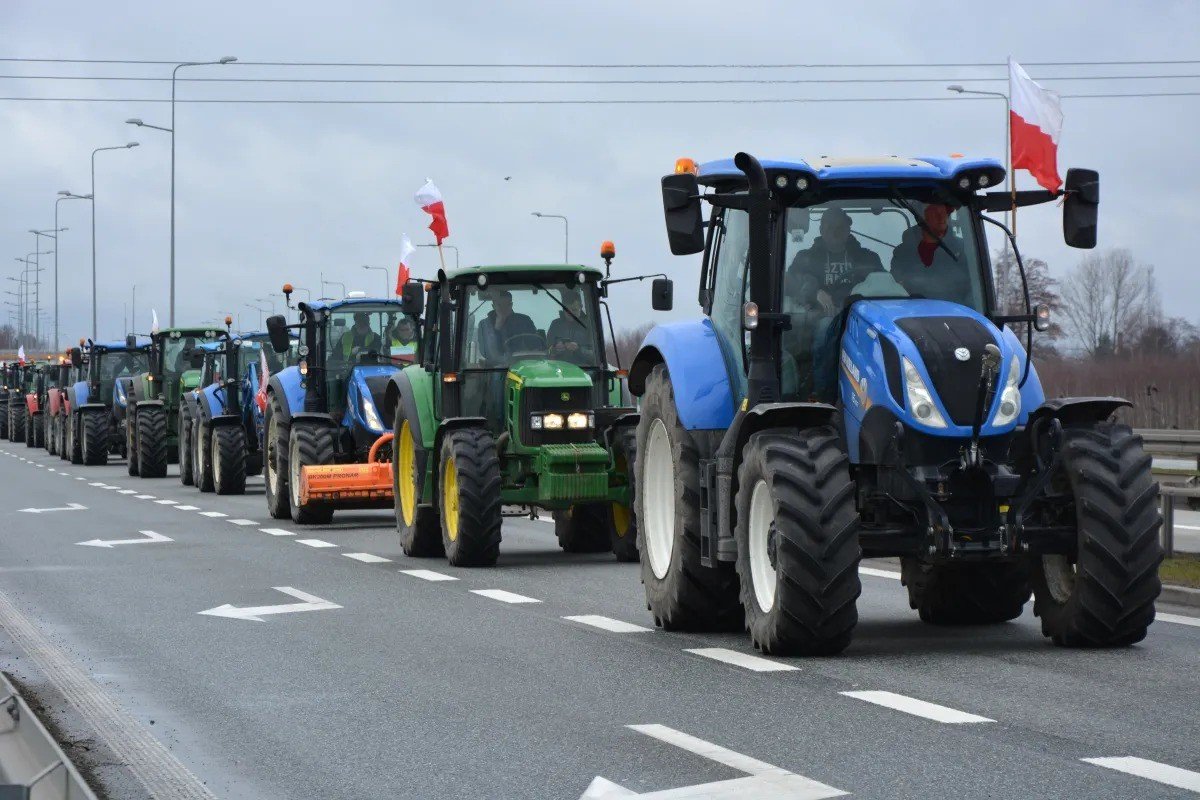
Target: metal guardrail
(1180, 445)
(32, 765)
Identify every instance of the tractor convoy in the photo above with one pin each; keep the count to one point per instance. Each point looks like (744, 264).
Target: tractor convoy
(850, 390)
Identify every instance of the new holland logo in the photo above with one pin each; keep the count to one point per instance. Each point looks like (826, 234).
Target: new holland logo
(962, 354)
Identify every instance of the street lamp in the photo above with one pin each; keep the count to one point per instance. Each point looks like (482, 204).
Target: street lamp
(260, 311)
(448, 247)
(52, 233)
(93, 196)
(386, 276)
(171, 130)
(332, 283)
(1012, 179)
(266, 300)
(566, 233)
(307, 292)
(63, 195)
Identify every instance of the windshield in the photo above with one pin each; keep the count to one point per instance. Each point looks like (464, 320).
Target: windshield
(250, 352)
(119, 364)
(363, 331)
(508, 321)
(876, 247)
(177, 349)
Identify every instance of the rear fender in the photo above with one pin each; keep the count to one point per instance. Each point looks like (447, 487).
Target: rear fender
(223, 421)
(703, 394)
(285, 385)
(412, 388)
(78, 394)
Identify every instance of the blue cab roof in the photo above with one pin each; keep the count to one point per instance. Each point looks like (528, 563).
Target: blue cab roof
(828, 169)
(354, 301)
(142, 341)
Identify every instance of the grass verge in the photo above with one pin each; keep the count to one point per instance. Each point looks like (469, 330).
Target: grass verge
(1182, 570)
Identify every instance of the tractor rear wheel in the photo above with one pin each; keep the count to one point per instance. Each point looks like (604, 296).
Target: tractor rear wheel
(52, 436)
(797, 541)
(187, 458)
(311, 445)
(966, 594)
(32, 425)
(16, 422)
(470, 498)
(131, 448)
(680, 592)
(584, 528)
(229, 459)
(419, 527)
(623, 521)
(275, 443)
(152, 442)
(4, 419)
(1103, 595)
(201, 455)
(95, 437)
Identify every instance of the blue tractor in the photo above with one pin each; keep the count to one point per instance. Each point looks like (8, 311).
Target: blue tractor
(97, 403)
(327, 409)
(853, 390)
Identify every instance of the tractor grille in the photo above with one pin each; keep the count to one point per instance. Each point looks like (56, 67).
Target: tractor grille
(956, 382)
(377, 385)
(578, 399)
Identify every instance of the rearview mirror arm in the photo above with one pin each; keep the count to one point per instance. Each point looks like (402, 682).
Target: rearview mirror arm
(1012, 241)
(609, 282)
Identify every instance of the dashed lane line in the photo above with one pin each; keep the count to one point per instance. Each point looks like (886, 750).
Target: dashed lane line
(97, 483)
(187, 508)
(918, 708)
(879, 573)
(277, 531)
(428, 575)
(1151, 770)
(144, 496)
(367, 558)
(213, 514)
(608, 624)
(503, 596)
(166, 502)
(127, 491)
(242, 522)
(1178, 619)
(315, 543)
(743, 660)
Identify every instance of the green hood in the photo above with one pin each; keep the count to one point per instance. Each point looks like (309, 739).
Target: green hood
(548, 373)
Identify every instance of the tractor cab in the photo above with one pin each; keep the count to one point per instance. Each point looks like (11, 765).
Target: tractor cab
(175, 360)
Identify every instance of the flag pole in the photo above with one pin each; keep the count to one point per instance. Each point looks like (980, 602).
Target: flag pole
(1012, 175)
(441, 257)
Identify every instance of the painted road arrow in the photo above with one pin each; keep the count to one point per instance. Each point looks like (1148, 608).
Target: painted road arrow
(67, 507)
(148, 537)
(764, 781)
(256, 613)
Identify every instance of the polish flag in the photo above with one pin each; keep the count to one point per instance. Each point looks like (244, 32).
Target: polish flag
(1036, 120)
(402, 272)
(154, 322)
(429, 198)
(21, 354)
(260, 397)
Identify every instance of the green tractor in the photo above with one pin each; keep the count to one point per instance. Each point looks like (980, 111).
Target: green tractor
(152, 418)
(512, 403)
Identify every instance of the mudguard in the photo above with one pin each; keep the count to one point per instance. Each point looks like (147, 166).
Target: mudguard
(285, 385)
(703, 393)
(78, 394)
(1071, 410)
(412, 387)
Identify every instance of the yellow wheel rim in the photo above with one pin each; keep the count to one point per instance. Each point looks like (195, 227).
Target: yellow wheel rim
(620, 515)
(450, 499)
(406, 472)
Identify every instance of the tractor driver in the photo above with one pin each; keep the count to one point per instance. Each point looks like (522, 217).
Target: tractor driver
(929, 268)
(568, 334)
(403, 343)
(183, 357)
(502, 331)
(359, 339)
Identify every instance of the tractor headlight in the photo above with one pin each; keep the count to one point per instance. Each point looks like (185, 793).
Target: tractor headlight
(1010, 397)
(303, 367)
(370, 414)
(553, 422)
(579, 420)
(920, 399)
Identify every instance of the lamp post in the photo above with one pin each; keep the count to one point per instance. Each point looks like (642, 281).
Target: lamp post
(1012, 179)
(384, 270)
(307, 292)
(566, 233)
(171, 130)
(93, 195)
(31, 265)
(260, 313)
(63, 195)
(37, 297)
(332, 283)
(445, 247)
(266, 300)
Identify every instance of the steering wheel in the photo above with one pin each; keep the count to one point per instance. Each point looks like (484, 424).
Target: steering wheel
(536, 338)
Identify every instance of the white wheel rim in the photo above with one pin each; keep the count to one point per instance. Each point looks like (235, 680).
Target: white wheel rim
(271, 446)
(294, 476)
(1060, 577)
(658, 499)
(216, 459)
(762, 574)
(197, 451)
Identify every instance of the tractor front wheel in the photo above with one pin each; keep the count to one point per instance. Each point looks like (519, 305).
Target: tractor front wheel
(310, 445)
(470, 497)
(966, 594)
(95, 437)
(16, 423)
(201, 455)
(229, 459)
(152, 442)
(622, 530)
(275, 443)
(1103, 595)
(584, 528)
(131, 448)
(32, 425)
(186, 456)
(419, 527)
(52, 436)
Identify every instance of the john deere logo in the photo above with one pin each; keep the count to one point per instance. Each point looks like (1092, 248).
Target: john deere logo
(565, 396)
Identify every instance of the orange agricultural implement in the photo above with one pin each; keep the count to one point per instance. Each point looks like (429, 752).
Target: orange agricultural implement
(366, 485)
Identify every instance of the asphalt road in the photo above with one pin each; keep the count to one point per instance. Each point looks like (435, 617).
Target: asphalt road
(424, 688)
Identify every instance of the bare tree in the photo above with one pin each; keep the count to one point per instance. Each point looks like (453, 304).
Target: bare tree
(1043, 289)
(628, 342)
(1109, 300)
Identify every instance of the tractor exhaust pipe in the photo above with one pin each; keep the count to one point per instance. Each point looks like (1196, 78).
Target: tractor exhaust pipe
(987, 384)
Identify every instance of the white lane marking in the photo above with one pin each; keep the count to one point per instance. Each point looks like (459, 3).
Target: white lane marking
(51, 469)
(127, 491)
(919, 708)
(428, 575)
(67, 507)
(1186, 528)
(879, 573)
(309, 602)
(608, 623)
(166, 502)
(144, 496)
(97, 483)
(315, 543)
(78, 478)
(149, 538)
(276, 531)
(503, 596)
(187, 508)
(110, 488)
(1178, 619)
(744, 660)
(367, 558)
(241, 522)
(214, 514)
(1153, 770)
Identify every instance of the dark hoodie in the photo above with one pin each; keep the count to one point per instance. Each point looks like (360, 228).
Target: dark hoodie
(817, 268)
(945, 278)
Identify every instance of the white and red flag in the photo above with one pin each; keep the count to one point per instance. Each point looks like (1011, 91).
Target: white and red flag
(21, 354)
(429, 198)
(403, 272)
(264, 375)
(1036, 120)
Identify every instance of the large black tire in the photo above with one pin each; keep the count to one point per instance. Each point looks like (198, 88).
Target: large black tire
(201, 455)
(469, 497)
(419, 527)
(680, 593)
(584, 528)
(187, 456)
(275, 468)
(229, 459)
(52, 435)
(1104, 597)
(4, 418)
(131, 450)
(966, 593)
(152, 442)
(623, 527)
(16, 422)
(309, 445)
(33, 424)
(797, 539)
(94, 425)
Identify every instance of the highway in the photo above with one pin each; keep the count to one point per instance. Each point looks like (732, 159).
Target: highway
(250, 658)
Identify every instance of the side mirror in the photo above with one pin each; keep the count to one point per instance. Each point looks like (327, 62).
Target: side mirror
(76, 357)
(277, 330)
(412, 298)
(681, 207)
(1081, 207)
(130, 341)
(662, 294)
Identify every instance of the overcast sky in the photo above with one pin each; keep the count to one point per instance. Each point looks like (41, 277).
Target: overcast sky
(274, 193)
